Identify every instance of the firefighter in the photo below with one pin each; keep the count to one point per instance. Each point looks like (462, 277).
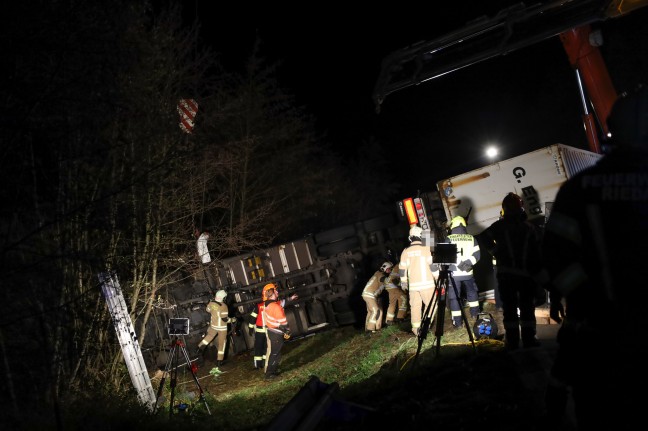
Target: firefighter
(256, 327)
(277, 330)
(415, 270)
(592, 251)
(397, 308)
(515, 244)
(467, 256)
(217, 326)
(371, 295)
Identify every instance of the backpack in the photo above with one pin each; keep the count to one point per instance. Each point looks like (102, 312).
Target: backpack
(485, 326)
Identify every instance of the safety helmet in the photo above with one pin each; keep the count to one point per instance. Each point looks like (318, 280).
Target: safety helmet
(385, 266)
(268, 290)
(220, 295)
(628, 120)
(457, 221)
(415, 231)
(512, 205)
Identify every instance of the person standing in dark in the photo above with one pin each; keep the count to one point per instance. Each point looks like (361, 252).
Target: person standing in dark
(592, 250)
(515, 244)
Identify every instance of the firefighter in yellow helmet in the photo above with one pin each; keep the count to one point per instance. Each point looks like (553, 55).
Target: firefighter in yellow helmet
(467, 256)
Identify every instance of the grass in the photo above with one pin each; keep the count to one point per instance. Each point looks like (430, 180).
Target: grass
(368, 370)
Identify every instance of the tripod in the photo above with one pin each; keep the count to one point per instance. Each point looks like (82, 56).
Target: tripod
(438, 305)
(171, 369)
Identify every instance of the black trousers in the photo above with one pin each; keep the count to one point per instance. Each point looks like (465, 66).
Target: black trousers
(273, 357)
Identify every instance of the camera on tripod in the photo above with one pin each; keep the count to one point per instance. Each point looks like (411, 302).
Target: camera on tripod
(445, 253)
(179, 326)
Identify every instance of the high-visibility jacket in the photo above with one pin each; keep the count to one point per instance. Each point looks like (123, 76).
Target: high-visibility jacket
(256, 322)
(467, 249)
(392, 280)
(219, 315)
(374, 286)
(274, 317)
(415, 267)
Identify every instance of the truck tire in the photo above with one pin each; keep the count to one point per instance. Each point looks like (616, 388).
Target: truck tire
(334, 248)
(336, 234)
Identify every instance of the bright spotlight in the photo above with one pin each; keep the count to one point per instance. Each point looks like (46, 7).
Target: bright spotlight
(491, 152)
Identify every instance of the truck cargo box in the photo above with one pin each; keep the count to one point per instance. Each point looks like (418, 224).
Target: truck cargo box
(535, 176)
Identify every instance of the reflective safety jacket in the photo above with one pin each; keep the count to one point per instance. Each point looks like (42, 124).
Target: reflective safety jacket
(392, 280)
(467, 249)
(415, 267)
(374, 286)
(274, 317)
(256, 321)
(219, 315)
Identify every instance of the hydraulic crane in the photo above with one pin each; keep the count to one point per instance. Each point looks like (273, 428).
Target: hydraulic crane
(513, 28)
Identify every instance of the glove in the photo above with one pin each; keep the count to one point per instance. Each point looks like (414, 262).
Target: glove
(465, 266)
(556, 311)
(251, 330)
(286, 335)
(404, 285)
(232, 320)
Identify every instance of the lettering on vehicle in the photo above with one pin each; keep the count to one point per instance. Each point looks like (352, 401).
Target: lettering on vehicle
(628, 186)
(529, 193)
(518, 173)
(530, 196)
(557, 165)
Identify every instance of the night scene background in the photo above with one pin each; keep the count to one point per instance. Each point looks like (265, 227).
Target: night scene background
(97, 174)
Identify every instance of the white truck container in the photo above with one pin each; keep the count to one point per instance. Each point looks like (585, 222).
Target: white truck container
(535, 176)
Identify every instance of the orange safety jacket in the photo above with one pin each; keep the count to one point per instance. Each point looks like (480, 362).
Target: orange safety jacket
(274, 317)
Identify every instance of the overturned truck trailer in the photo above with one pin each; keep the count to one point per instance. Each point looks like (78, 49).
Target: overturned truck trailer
(327, 271)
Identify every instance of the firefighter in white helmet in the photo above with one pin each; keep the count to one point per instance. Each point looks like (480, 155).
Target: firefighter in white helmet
(415, 270)
(217, 326)
(467, 256)
(371, 295)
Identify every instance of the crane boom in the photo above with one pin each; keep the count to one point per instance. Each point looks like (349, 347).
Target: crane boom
(510, 29)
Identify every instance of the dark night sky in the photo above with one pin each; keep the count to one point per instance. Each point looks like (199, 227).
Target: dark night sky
(330, 60)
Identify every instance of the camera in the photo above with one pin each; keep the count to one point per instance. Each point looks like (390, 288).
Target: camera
(445, 253)
(179, 326)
